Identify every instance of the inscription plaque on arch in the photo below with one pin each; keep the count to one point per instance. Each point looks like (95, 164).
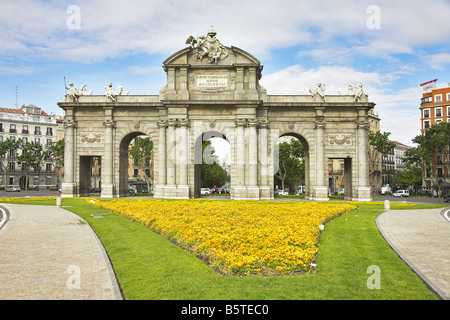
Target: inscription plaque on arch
(212, 81)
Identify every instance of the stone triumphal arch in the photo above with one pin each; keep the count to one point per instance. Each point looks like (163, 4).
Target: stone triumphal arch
(214, 91)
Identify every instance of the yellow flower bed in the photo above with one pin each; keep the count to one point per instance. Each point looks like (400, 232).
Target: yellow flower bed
(237, 237)
(26, 199)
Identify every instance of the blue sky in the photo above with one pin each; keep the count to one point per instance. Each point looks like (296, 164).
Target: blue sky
(388, 46)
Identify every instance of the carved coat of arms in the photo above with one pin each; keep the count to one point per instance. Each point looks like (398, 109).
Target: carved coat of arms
(208, 46)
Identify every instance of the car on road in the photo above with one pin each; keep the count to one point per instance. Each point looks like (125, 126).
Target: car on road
(447, 198)
(205, 191)
(401, 193)
(13, 189)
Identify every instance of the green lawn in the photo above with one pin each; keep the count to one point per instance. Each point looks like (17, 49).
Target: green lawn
(150, 267)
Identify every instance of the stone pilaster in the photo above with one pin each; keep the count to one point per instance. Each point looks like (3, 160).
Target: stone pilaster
(363, 190)
(183, 158)
(108, 186)
(162, 166)
(264, 161)
(68, 188)
(320, 189)
(252, 184)
(171, 185)
(239, 189)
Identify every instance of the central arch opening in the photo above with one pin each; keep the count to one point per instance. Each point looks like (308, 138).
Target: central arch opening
(212, 165)
(291, 159)
(136, 167)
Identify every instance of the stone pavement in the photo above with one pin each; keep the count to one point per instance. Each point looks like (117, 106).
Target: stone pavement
(48, 253)
(422, 239)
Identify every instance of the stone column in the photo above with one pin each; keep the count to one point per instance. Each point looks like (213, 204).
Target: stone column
(108, 186)
(363, 189)
(68, 188)
(183, 158)
(264, 161)
(252, 187)
(239, 190)
(161, 171)
(320, 189)
(171, 159)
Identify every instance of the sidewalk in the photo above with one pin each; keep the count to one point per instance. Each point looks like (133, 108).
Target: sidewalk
(422, 239)
(48, 253)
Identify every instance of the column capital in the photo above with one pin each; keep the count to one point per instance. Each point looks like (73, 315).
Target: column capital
(172, 122)
(240, 122)
(264, 124)
(252, 122)
(69, 124)
(162, 123)
(183, 122)
(108, 124)
(362, 124)
(320, 124)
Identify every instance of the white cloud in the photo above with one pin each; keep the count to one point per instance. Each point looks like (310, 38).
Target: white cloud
(398, 110)
(110, 28)
(438, 61)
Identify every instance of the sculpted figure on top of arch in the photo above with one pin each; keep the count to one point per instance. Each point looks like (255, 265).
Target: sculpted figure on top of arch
(357, 91)
(208, 45)
(319, 90)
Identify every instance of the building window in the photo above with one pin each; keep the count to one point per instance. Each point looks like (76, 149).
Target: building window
(37, 140)
(49, 131)
(438, 112)
(1, 139)
(12, 128)
(426, 113)
(37, 130)
(49, 143)
(24, 141)
(136, 173)
(448, 96)
(438, 98)
(48, 180)
(437, 121)
(48, 167)
(11, 180)
(1, 127)
(439, 172)
(426, 124)
(25, 129)
(36, 180)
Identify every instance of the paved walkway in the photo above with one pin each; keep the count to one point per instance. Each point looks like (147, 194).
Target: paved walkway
(422, 240)
(48, 253)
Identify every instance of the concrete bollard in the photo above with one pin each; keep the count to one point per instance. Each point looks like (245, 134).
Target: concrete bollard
(59, 201)
(387, 204)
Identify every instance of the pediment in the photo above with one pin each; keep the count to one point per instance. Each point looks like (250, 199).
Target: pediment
(190, 56)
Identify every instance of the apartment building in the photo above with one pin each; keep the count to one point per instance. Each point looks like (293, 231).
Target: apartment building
(435, 108)
(29, 123)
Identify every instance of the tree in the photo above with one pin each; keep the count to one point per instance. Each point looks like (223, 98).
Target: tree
(212, 174)
(8, 153)
(56, 152)
(291, 166)
(33, 157)
(433, 142)
(141, 152)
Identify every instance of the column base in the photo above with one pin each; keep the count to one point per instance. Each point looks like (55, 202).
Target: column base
(363, 194)
(108, 190)
(183, 192)
(265, 194)
(68, 190)
(170, 192)
(320, 193)
(159, 191)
